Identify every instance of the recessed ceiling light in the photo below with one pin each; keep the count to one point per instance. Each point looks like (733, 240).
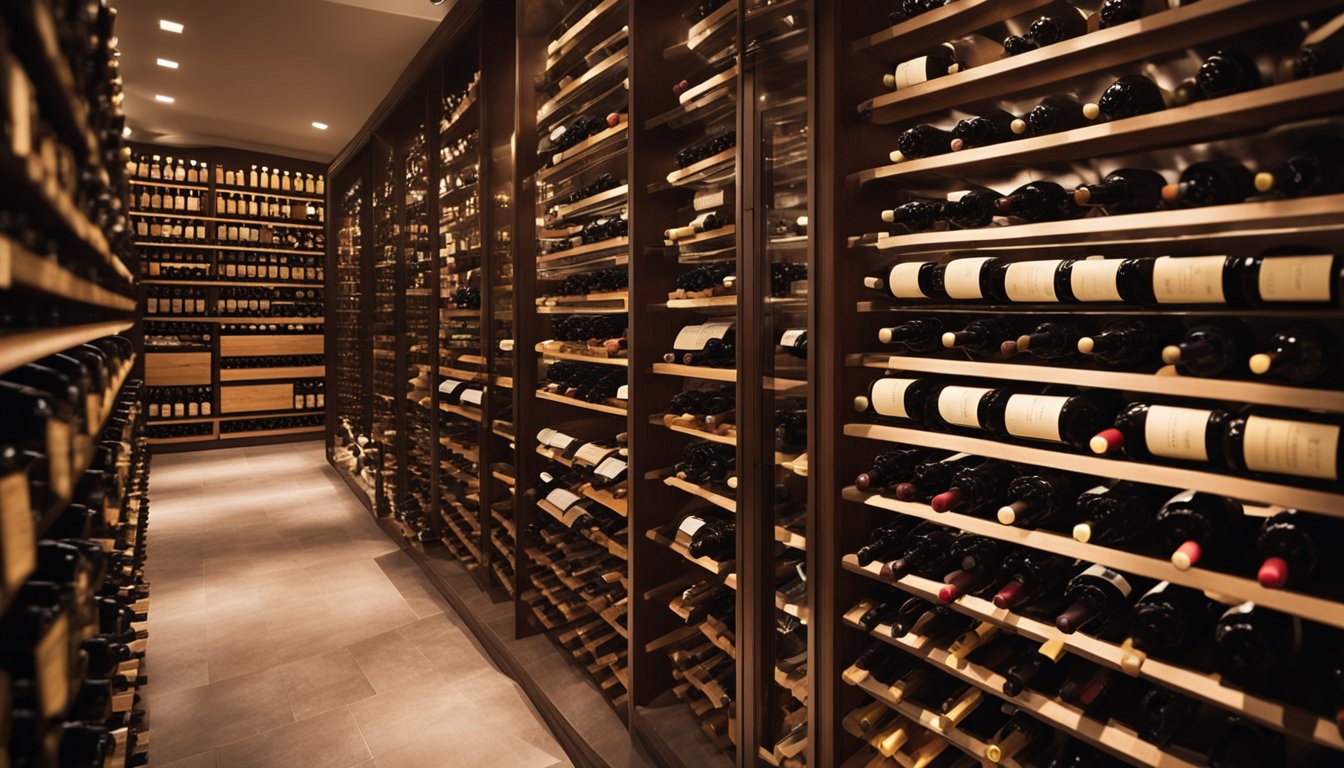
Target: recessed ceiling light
(159, 97)
(126, 132)
(320, 126)
(170, 26)
(167, 63)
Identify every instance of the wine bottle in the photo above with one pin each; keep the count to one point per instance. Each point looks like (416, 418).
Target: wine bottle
(886, 540)
(1053, 115)
(1116, 12)
(1036, 281)
(1289, 545)
(951, 406)
(975, 561)
(982, 130)
(1098, 601)
(1015, 736)
(1129, 96)
(1051, 341)
(1238, 742)
(983, 339)
(923, 140)
(921, 70)
(713, 539)
(1212, 182)
(1168, 619)
(926, 553)
(891, 467)
(1317, 56)
(896, 400)
(1298, 275)
(888, 602)
(1210, 350)
(916, 215)
(1253, 645)
(1226, 72)
(1127, 190)
(974, 209)
(1314, 167)
(1062, 23)
(1253, 442)
(908, 616)
(1130, 343)
(976, 487)
(1146, 431)
(1159, 715)
(921, 336)
(1040, 497)
(1191, 523)
(1028, 575)
(1068, 419)
(910, 280)
(1116, 514)
(794, 342)
(932, 476)
(1039, 201)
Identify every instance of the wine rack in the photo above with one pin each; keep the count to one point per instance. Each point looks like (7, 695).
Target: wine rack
(882, 165)
(232, 268)
(74, 471)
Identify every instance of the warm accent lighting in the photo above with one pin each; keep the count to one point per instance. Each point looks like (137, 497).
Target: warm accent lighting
(167, 63)
(159, 97)
(320, 126)
(126, 132)
(171, 26)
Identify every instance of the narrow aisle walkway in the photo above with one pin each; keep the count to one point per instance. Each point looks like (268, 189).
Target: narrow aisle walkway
(287, 631)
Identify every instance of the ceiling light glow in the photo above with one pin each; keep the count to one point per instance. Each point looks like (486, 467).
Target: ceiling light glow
(126, 132)
(159, 97)
(171, 26)
(320, 126)
(167, 63)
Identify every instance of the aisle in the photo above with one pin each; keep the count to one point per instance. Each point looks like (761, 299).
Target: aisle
(287, 631)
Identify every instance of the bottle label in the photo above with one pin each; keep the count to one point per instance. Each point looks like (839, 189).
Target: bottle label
(960, 405)
(1296, 278)
(912, 72)
(1156, 591)
(472, 396)
(1095, 279)
(1177, 433)
(52, 657)
(18, 545)
(888, 397)
(961, 279)
(1189, 280)
(58, 458)
(562, 498)
(689, 526)
(448, 386)
(693, 338)
(592, 453)
(903, 281)
(790, 338)
(1032, 280)
(1034, 416)
(1299, 448)
(1116, 579)
(610, 468)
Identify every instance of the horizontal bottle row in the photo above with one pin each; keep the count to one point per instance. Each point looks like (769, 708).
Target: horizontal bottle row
(267, 329)
(271, 424)
(1258, 441)
(178, 402)
(175, 231)
(270, 361)
(181, 170)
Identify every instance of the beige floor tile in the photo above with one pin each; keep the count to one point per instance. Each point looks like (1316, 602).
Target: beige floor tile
(330, 740)
(203, 760)
(317, 684)
(390, 660)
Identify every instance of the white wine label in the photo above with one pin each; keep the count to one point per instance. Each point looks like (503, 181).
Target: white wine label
(623, 392)
(961, 279)
(694, 337)
(58, 458)
(472, 396)
(1032, 280)
(610, 468)
(447, 386)
(18, 545)
(1189, 280)
(1177, 433)
(708, 198)
(592, 453)
(562, 498)
(52, 657)
(1095, 279)
(1296, 278)
(1298, 448)
(1034, 416)
(790, 338)
(1184, 497)
(888, 397)
(912, 72)
(903, 281)
(689, 526)
(1160, 588)
(1102, 572)
(960, 405)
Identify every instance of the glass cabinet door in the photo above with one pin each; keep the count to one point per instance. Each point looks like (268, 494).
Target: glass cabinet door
(353, 449)
(415, 503)
(386, 291)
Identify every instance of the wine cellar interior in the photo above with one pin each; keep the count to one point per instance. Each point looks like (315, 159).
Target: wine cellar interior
(918, 383)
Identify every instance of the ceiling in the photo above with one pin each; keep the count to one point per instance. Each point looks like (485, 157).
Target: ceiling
(255, 74)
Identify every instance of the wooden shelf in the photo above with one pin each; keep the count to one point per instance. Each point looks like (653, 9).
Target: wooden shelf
(1202, 685)
(234, 283)
(723, 569)
(252, 374)
(599, 407)
(21, 268)
(705, 28)
(790, 539)
(589, 76)
(287, 194)
(272, 432)
(699, 238)
(24, 346)
(467, 413)
(708, 302)
(1201, 121)
(658, 420)
(558, 48)
(160, 421)
(548, 351)
(177, 440)
(139, 182)
(610, 301)
(707, 171)
(1165, 382)
(267, 222)
(1175, 29)
(690, 96)
(1295, 216)
(238, 321)
(605, 498)
(470, 454)
(611, 198)
(695, 371)
(258, 249)
(611, 244)
(717, 499)
(563, 160)
(946, 23)
(1173, 477)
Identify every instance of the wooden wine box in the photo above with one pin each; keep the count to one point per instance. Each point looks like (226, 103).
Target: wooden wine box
(249, 346)
(177, 369)
(256, 397)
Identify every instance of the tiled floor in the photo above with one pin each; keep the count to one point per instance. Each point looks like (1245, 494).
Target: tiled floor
(287, 631)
